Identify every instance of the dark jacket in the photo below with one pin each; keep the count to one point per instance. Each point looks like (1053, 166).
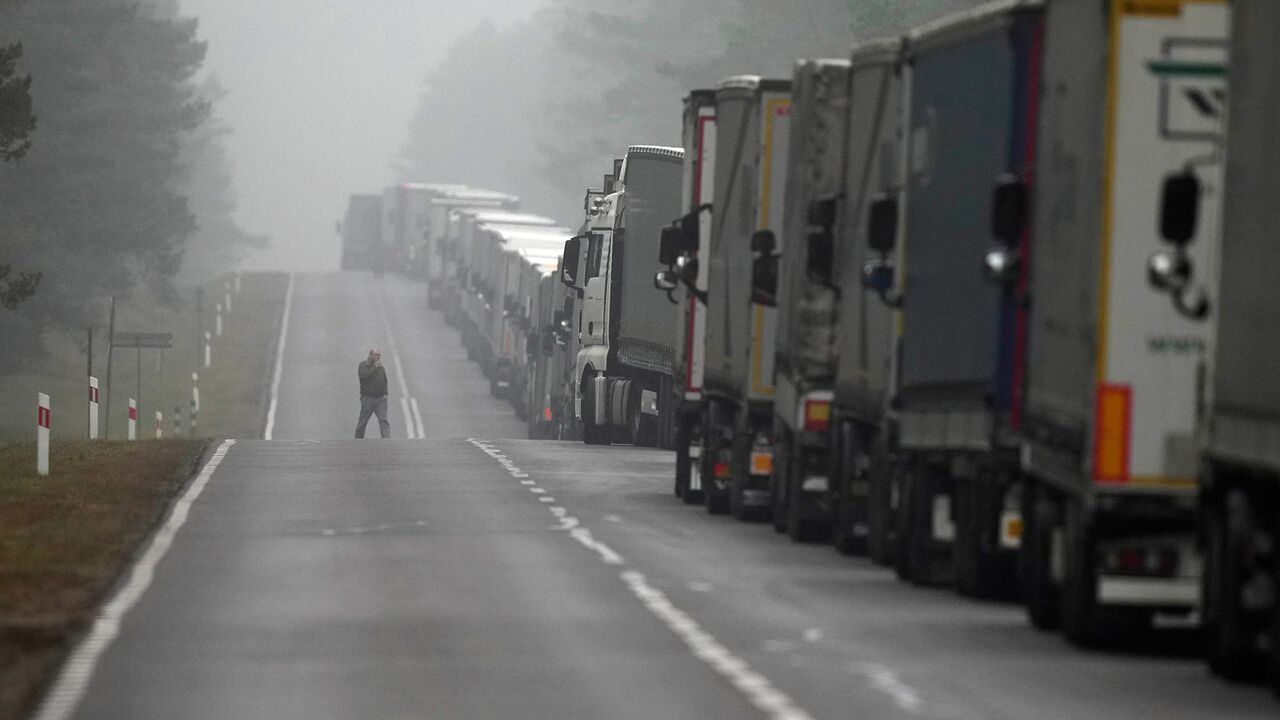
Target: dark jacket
(373, 380)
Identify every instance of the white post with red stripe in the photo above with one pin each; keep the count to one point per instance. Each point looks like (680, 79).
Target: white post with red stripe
(159, 425)
(93, 408)
(133, 419)
(42, 434)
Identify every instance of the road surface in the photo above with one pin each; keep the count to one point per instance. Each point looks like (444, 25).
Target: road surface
(461, 571)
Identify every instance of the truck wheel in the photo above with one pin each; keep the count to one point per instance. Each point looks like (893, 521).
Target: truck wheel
(880, 521)
(1228, 633)
(968, 538)
(683, 459)
(843, 472)
(799, 528)
(982, 570)
(918, 562)
(738, 479)
(778, 483)
(1081, 622)
(644, 428)
(1035, 561)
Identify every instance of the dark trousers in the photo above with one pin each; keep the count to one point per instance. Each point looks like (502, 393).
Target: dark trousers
(373, 406)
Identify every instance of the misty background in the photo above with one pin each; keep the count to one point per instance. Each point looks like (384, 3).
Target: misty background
(178, 140)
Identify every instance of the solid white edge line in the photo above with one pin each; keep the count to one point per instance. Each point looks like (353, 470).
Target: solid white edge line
(279, 371)
(417, 418)
(73, 679)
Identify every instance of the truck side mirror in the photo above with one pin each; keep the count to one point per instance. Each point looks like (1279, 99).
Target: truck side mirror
(569, 267)
(764, 243)
(822, 212)
(882, 223)
(764, 280)
(1009, 210)
(666, 281)
(671, 245)
(821, 254)
(1180, 208)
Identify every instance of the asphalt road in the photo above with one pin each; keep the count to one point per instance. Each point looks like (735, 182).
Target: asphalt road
(460, 571)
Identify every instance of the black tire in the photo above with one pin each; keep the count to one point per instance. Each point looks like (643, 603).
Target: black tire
(782, 469)
(738, 507)
(799, 528)
(982, 570)
(1041, 514)
(1081, 615)
(918, 562)
(880, 518)
(1229, 646)
(684, 462)
(644, 428)
(842, 473)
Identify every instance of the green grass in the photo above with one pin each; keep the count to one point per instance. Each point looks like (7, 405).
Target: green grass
(64, 540)
(232, 390)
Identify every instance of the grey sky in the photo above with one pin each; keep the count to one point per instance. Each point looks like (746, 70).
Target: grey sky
(321, 93)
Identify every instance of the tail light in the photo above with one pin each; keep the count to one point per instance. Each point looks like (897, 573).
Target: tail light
(817, 415)
(1142, 561)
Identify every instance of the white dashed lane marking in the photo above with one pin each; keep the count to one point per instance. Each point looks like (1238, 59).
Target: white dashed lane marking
(756, 688)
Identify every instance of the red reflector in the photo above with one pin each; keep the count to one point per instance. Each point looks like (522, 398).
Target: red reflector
(546, 414)
(817, 415)
(721, 470)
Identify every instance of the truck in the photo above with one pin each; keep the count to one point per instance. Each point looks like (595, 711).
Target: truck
(462, 302)
(752, 124)
(505, 248)
(624, 364)
(1239, 496)
(361, 231)
(970, 92)
(685, 282)
(433, 255)
(1116, 371)
(543, 337)
(404, 220)
(804, 350)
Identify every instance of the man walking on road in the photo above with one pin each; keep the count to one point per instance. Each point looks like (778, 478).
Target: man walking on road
(373, 394)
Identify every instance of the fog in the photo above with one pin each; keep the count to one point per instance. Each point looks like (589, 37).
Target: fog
(319, 100)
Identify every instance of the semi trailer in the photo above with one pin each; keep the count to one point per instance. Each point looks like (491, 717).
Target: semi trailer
(624, 364)
(867, 205)
(361, 231)
(1115, 371)
(970, 92)
(433, 255)
(683, 249)
(752, 132)
(806, 301)
(1240, 433)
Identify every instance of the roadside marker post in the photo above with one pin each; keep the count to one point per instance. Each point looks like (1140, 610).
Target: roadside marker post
(218, 323)
(159, 425)
(93, 408)
(208, 349)
(43, 422)
(195, 402)
(227, 295)
(133, 419)
(177, 421)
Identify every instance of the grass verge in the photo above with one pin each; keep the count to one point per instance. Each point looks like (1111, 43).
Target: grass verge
(65, 539)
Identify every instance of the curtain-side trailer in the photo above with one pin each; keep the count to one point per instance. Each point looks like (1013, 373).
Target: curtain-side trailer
(970, 93)
(806, 302)
(685, 282)
(752, 132)
(864, 333)
(1114, 369)
(434, 256)
(361, 231)
(1240, 493)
